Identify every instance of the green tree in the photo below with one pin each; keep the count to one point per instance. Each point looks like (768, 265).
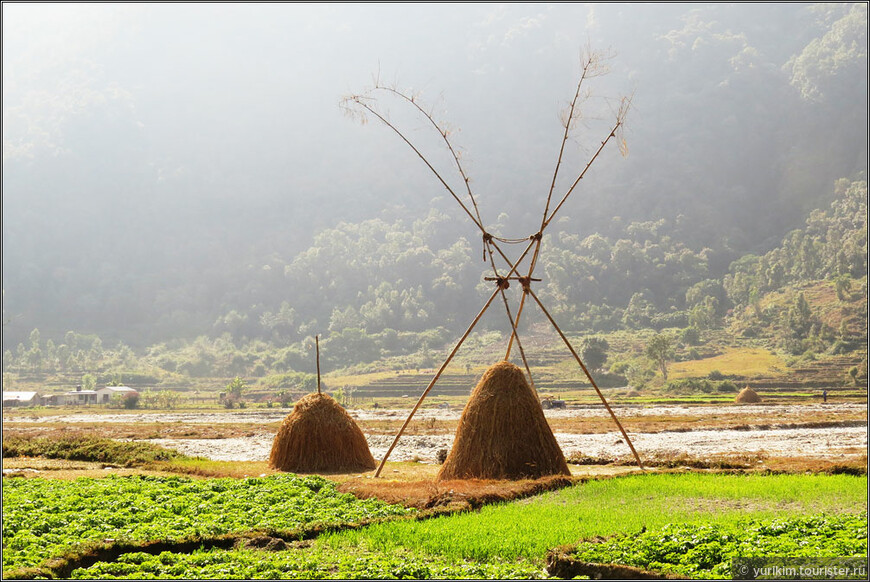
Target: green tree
(703, 314)
(660, 350)
(593, 352)
(34, 339)
(89, 382)
(236, 388)
(799, 318)
(843, 286)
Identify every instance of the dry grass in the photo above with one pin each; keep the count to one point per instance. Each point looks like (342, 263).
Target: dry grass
(389, 426)
(745, 362)
(320, 436)
(503, 433)
(852, 466)
(451, 494)
(747, 396)
(138, 431)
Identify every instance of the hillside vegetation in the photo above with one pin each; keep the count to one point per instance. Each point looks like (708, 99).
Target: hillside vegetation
(767, 316)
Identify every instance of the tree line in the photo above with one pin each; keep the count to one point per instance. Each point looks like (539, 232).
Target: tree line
(388, 289)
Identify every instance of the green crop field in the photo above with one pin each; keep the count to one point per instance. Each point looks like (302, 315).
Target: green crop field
(707, 551)
(526, 529)
(50, 518)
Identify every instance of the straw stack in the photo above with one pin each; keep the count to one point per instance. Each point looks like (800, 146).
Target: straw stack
(502, 433)
(319, 436)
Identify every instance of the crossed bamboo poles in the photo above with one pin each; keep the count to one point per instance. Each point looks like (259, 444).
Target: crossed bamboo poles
(491, 248)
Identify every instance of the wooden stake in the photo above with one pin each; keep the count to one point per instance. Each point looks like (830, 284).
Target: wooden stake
(588, 375)
(435, 379)
(317, 349)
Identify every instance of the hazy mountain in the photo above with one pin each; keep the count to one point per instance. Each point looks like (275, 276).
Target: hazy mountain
(157, 158)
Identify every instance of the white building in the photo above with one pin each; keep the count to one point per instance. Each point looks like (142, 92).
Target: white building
(20, 398)
(75, 397)
(105, 395)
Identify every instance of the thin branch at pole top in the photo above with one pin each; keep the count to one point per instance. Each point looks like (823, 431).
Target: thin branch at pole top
(360, 100)
(443, 133)
(591, 57)
(625, 104)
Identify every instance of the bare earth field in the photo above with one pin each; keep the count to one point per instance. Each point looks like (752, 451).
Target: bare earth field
(833, 431)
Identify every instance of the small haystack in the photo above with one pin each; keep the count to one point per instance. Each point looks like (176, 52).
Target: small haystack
(320, 436)
(747, 396)
(502, 433)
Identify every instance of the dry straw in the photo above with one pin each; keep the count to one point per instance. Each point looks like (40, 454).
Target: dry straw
(747, 396)
(319, 436)
(502, 433)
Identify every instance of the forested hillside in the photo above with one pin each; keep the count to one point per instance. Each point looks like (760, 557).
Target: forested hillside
(201, 232)
(387, 290)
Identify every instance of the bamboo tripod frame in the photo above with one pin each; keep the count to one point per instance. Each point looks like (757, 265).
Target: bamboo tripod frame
(590, 68)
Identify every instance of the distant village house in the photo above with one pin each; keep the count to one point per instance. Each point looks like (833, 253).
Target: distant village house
(73, 397)
(77, 397)
(20, 399)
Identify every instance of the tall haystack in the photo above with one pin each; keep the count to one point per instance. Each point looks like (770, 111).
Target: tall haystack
(747, 396)
(502, 433)
(320, 436)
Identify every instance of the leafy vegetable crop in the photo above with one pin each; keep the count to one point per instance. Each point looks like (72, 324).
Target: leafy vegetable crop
(45, 518)
(306, 564)
(707, 551)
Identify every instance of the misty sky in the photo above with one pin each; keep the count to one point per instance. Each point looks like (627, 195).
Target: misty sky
(256, 88)
(137, 133)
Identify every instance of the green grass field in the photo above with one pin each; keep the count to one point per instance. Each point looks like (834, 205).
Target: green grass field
(746, 362)
(510, 540)
(526, 529)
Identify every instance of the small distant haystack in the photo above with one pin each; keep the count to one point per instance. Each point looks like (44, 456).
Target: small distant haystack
(502, 433)
(747, 396)
(320, 436)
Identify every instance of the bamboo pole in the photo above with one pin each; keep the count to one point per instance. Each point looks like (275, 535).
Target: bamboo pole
(443, 133)
(358, 101)
(591, 58)
(588, 375)
(435, 379)
(317, 349)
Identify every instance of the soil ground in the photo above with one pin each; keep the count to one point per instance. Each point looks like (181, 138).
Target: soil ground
(761, 435)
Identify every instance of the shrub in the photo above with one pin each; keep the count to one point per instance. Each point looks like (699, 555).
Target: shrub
(666, 320)
(609, 379)
(727, 386)
(87, 448)
(131, 400)
(690, 336)
(716, 375)
(690, 385)
(840, 347)
(620, 367)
